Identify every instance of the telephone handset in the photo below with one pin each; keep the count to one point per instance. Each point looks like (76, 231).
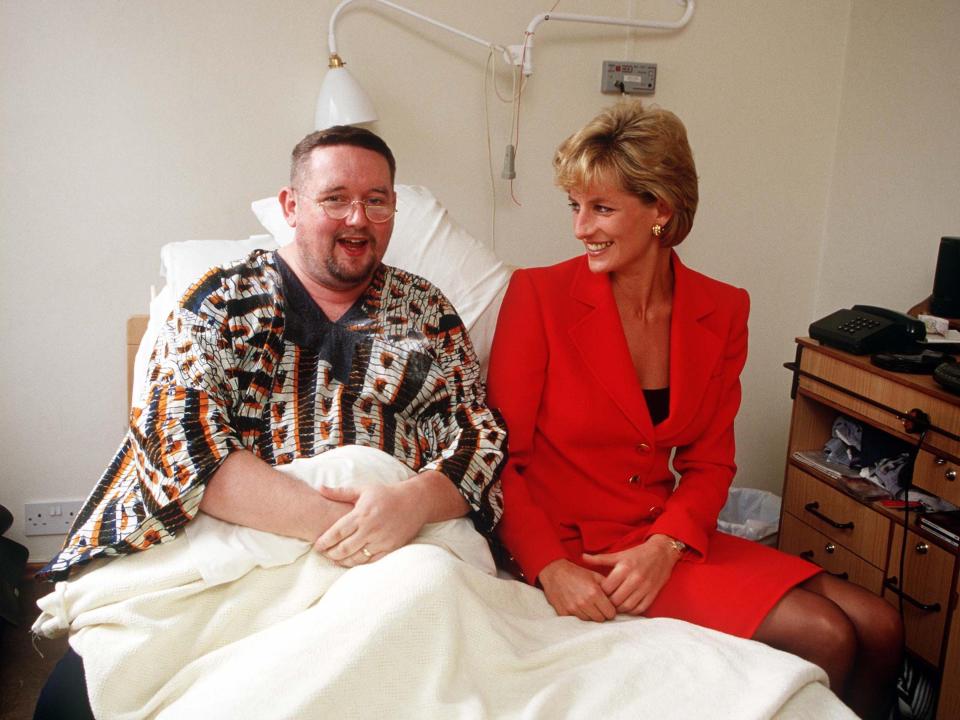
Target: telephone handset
(865, 329)
(915, 330)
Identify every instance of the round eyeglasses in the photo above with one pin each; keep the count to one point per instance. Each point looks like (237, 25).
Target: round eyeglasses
(375, 210)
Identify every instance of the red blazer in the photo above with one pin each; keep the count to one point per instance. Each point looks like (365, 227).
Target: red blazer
(587, 469)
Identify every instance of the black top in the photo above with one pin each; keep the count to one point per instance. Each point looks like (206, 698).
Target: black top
(658, 404)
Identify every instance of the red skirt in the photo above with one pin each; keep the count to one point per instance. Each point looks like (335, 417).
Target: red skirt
(734, 588)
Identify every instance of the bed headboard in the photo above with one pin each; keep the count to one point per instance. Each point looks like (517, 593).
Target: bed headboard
(136, 327)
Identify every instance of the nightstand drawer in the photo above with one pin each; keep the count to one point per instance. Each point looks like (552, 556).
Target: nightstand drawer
(926, 591)
(937, 474)
(798, 538)
(840, 518)
(878, 392)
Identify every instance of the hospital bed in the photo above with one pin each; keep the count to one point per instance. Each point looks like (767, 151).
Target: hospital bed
(418, 634)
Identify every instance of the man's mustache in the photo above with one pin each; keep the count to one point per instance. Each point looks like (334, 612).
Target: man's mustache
(354, 235)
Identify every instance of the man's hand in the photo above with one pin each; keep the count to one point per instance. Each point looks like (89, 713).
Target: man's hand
(386, 517)
(573, 590)
(638, 574)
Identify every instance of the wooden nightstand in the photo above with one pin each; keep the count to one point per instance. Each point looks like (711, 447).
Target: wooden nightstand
(862, 540)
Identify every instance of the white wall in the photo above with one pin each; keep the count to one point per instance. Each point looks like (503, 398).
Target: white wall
(129, 124)
(896, 188)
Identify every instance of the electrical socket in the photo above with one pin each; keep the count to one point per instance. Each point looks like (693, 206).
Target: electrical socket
(53, 517)
(629, 78)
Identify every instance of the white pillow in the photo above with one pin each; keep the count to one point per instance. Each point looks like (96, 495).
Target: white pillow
(270, 215)
(183, 263)
(427, 242)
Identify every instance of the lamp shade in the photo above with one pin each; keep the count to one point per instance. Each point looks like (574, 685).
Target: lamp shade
(342, 101)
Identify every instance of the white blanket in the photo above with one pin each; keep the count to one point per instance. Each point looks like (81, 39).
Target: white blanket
(222, 551)
(418, 634)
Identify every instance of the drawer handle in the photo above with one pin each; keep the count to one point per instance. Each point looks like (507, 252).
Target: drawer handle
(922, 548)
(814, 509)
(892, 585)
(830, 548)
(808, 555)
(950, 474)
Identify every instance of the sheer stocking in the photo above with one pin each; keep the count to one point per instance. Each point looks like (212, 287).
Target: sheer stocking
(854, 635)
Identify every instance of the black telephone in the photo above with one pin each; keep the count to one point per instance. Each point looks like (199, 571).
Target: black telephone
(865, 329)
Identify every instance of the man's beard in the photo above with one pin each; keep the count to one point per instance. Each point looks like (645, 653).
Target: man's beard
(351, 276)
(323, 265)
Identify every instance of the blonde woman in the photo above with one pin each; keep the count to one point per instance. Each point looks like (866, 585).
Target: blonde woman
(602, 367)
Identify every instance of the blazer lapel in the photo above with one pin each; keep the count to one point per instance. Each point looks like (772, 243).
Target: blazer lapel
(694, 349)
(598, 337)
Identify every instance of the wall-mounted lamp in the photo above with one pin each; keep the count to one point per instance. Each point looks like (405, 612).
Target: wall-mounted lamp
(343, 102)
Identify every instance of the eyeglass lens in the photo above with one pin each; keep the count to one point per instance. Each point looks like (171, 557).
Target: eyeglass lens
(339, 209)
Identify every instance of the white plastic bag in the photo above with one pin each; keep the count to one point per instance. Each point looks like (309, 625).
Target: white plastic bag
(750, 513)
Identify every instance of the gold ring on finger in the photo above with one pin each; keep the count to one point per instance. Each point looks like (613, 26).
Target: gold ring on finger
(366, 553)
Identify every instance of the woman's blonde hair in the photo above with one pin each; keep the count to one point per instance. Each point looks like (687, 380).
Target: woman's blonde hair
(645, 151)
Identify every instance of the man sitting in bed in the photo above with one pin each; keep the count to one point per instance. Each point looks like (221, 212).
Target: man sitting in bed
(290, 353)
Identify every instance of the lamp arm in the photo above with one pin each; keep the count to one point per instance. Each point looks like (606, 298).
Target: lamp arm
(332, 41)
(599, 20)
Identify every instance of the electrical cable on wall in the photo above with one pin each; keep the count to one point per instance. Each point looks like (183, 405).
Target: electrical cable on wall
(916, 421)
(515, 127)
(509, 171)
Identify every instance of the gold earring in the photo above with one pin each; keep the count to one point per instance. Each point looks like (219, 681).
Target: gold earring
(657, 230)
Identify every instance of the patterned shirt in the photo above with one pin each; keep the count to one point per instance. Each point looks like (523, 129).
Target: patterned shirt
(248, 361)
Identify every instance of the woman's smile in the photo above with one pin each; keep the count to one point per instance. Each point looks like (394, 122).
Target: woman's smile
(595, 247)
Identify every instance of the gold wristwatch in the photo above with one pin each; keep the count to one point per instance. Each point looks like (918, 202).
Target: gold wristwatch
(679, 545)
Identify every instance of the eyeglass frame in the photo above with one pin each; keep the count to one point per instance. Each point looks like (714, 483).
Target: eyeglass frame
(348, 206)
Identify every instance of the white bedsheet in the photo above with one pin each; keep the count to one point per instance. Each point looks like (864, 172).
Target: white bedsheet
(418, 634)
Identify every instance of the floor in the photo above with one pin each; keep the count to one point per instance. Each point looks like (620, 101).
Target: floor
(23, 669)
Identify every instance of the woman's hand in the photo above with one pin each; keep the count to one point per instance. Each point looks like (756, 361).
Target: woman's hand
(638, 573)
(573, 590)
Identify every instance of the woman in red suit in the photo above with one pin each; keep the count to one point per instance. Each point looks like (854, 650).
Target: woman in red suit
(605, 365)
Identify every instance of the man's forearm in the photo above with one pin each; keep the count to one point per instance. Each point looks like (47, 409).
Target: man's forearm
(247, 491)
(440, 497)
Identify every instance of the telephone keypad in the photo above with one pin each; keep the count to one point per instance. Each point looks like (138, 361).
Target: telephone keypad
(858, 323)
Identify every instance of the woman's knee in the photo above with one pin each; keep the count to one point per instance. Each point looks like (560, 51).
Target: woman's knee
(882, 629)
(812, 626)
(831, 630)
(887, 615)
(878, 624)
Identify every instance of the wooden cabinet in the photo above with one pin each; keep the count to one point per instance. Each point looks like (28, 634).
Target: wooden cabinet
(801, 539)
(861, 540)
(925, 587)
(937, 474)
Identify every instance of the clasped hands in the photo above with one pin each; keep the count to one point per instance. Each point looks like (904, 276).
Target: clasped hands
(636, 578)
(375, 520)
